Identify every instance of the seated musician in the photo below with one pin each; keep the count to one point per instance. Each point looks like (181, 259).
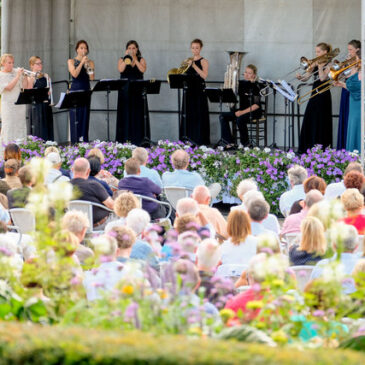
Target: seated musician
(249, 93)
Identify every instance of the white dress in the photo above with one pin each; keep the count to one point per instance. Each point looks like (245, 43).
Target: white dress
(13, 124)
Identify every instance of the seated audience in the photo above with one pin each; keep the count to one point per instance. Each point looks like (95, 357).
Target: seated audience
(241, 245)
(104, 175)
(123, 204)
(348, 258)
(141, 155)
(296, 174)
(353, 202)
(91, 191)
(314, 183)
(186, 223)
(11, 151)
(313, 244)
(354, 180)
(125, 238)
(142, 186)
(188, 241)
(258, 210)
(11, 174)
(335, 190)
(78, 223)
(293, 221)
(4, 187)
(184, 178)
(243, 187)
(54, 173)
(296, 207)
(18, 198)
(95, 167)
(201, 195)
(54, 149)
(4, 201)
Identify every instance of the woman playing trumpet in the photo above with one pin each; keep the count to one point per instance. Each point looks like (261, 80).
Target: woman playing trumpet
(317, 121)
(41, 118)
(12, 81)
(82, 71)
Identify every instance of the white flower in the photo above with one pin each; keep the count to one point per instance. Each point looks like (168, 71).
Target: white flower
(246, 149)
(101, 245)
(256, 149)
(334, 271)
(51, 143)
(40, 167)
(290, 155)
(267, 150)
(38, 202)
(60, 191)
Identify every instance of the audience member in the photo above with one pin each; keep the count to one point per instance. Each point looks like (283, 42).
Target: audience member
(241, 245)
(296, 174)
(296, 207)
(11, 151)
(201, 195)
(258, 210)
(186, 223)
(4, 187)
(354, 180)
(126, 238)
(11, 173)
(313, 244)
(54, 173)
(142, 186)
(314, 183)
(18, 198)
(91, 191)
(293, 221)
(4, 201)
(54, 149)
(243, 187)
(95, 167)
(189, 241)
(335, 190)
(353, 202)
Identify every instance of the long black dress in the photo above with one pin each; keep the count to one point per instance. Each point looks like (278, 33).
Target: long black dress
(130, 113)
(80, 83)
(197, 112)
(317, 121)
(40, 115)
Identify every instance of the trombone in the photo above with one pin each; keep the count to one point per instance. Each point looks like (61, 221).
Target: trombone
(334, 76)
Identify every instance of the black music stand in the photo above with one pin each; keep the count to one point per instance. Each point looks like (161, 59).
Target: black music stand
(74, 100)
(145, 87)
(108, 86)
(33, 97)
(221, 96)
(184, 81)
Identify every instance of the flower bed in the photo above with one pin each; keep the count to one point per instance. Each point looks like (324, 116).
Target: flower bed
(268, 167)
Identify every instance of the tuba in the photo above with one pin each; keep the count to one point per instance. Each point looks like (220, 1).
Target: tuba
(184, 66)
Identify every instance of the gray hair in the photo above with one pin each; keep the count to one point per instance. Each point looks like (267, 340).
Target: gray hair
(350, 238)
(140, 154)
(251, 196)
(180, 159)
(312, 197)
(187, 206)
(244, 186)
(209, 253)
(297, 174)
(138, 220)
(75, 221)
(258, 210)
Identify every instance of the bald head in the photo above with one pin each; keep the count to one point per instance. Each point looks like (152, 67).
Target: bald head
(180, 159)
(187, 206)
(312, 197)
(201, 195)
(81, 168)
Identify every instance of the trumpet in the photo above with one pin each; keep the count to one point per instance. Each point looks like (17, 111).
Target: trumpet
(36, 75)
(334, 75)
(307, 64)
(184, 66)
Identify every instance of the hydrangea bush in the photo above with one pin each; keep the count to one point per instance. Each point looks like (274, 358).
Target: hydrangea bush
(268, 167)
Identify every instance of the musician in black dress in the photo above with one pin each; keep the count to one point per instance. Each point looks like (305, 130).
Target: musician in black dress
(82, 71)
(130, 113)
(40, 116)
(317, 121)
(249, 96)
(197, 113)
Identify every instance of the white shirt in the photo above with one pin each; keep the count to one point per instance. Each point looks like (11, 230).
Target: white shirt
(239, 254)
(290, 197)
(334, 190)
(55, 175)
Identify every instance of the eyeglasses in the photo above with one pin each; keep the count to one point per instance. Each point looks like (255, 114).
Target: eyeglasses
(39, 63)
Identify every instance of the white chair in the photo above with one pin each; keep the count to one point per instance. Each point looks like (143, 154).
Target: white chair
(230, 270)
(302, 274)
(166, 204)
(288, 240)
(23, 219)
(175, 193)
(360, 246)
(87, 208)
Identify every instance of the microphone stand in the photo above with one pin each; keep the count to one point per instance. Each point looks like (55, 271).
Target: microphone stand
(273, 144)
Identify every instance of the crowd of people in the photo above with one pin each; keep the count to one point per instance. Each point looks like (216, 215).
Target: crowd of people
(197, 239)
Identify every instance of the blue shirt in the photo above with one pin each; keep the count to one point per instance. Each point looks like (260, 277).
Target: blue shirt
(151, 174)
(290, 197)
(141, 250)
(184, 178)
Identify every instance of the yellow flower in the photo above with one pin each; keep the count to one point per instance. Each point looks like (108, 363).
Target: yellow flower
(227, 314)
(278, 282)
(279, 337)
(255, 304)
(127, 289)
(162, 293)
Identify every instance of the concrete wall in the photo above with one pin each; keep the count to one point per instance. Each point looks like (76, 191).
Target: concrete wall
(275, 33)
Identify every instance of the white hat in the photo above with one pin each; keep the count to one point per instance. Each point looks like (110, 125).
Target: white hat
(54, 158)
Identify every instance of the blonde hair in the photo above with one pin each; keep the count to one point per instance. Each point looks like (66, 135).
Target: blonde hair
(352, 199)
(124, 236)
(238, 226)
(75, 221)
(96, 152)
(187, 222)
(50, 149)
(4, 57)
(33, 60)
(125, 202)
(140, 154)
(313, 238)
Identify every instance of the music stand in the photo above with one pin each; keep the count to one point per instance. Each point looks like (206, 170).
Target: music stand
(33, 97)
(145, 87)
(184, 81)
(108, 86)
(73, 100)
(221, 96)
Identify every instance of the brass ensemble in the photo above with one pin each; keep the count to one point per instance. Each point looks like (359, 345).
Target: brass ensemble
(334, 75)
(232, 74)
(184, 66)
(307, 64)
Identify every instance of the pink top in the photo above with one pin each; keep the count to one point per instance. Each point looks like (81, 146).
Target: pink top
(293, 221)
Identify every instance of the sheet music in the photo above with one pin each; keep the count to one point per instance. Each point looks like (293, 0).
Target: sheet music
(62, 96)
